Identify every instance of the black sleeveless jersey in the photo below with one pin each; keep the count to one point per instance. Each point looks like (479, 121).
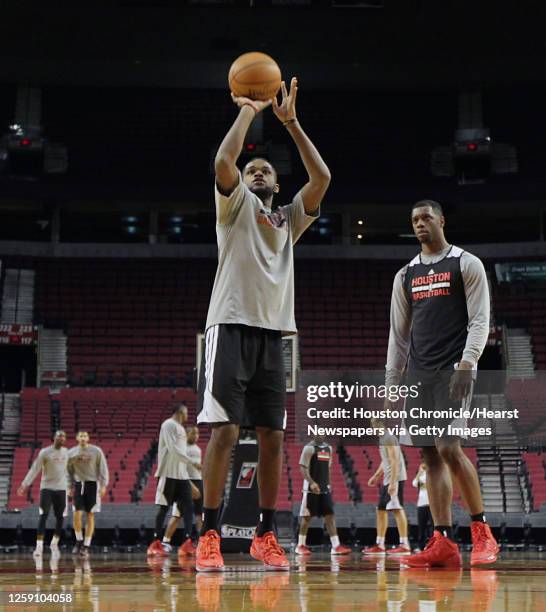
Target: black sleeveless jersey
(437, 299)
(319, 467)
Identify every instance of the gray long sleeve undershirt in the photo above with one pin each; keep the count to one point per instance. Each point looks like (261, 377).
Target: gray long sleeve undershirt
(477, 303)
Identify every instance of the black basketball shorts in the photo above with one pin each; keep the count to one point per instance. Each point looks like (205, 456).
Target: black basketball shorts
(86, 496)
(386, 502)
(316, 504)
(433, 399)
(173, 492)
(55, 498)
(242, 377)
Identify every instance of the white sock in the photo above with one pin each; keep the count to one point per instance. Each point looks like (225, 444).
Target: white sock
(79, 535)
(334, 540)
(404, 542)
(301, 540)
(39, 545)
(54, 541)
(380, 541)
(166, 540)
(87, 542)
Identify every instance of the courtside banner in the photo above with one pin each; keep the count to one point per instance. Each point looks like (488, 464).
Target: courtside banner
(240, 515)
(481, 407)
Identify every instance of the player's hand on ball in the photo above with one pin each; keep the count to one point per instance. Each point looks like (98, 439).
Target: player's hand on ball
(314, 488)
(286, 110)
(195, 493)
(257, 105)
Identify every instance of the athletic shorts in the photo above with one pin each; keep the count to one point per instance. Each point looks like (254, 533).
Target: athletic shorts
(433, 396)
(242, 378)
(198, 503)
(173, 492)
(316, 504)
(86, 496)
(386, 502)
(57, 499)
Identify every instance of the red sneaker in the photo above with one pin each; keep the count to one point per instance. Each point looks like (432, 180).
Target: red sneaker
(399, 551)
(340, 550)
(187, 549)
(154, 549)
(374, 551)
(439, 552)
(209, 557)
(267, 549)
(484, 546)
(302, 549)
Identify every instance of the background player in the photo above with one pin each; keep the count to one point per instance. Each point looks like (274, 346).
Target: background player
(195, 473)
(316, 467)
(391, 495)
(89, 478)
(424, 517)
(251, 306)
(443, 327)
(52, 462)
(174, 487)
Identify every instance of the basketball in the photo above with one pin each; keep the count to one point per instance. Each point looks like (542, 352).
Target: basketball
(255, 75)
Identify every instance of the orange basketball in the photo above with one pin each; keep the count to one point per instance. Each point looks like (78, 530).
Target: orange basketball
(255, 75)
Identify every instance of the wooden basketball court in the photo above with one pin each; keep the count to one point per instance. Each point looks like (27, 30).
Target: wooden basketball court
(114, 582)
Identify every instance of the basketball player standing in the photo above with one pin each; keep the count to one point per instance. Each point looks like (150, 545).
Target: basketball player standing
(251, 307)
(440, 318)
(52, 462)
(316, 468)
(89, 477)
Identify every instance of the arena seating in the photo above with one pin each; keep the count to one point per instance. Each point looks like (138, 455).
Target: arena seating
(135, 323)
(128, 323)
(123, 422)
(536, 467)
(524, 307)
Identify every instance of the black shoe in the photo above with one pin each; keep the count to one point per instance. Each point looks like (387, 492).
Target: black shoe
(77, 548)
(84, 552)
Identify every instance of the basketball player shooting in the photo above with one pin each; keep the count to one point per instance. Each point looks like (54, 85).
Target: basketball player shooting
(251, 307)
(440, 318)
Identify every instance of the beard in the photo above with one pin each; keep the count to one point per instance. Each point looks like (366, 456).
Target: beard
(263, 192)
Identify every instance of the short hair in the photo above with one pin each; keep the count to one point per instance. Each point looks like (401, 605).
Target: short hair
(436, 206)
(59, 432)
(82, 431)
(264, 159)
(192, 428)
(179, 408)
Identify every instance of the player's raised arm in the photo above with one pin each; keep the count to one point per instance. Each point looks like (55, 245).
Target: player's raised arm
(232, 145)
(319, 174)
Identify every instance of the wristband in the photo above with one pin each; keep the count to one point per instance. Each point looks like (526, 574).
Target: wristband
(294, 120)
